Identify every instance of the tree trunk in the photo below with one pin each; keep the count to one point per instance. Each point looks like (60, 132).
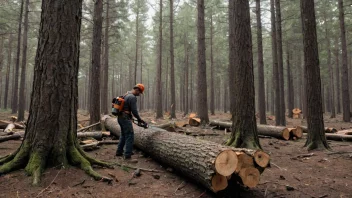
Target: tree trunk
(158, 95)
(316, 136)
(244, 129)
(344, 68)
(137, 42)
(261, 84)
(56, 86)
(276, 79)
(338, 88)
(198, 159)
(105, 98)
(1, 65)
(202, 107)
(290, 90)
(14, 99)
(212, 93)
(172, 60)
(22, 96)
(231, 53)
(186, 48)
(94, 109)
(7, 82)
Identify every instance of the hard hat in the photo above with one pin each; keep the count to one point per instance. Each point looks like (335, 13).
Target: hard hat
(140, 87)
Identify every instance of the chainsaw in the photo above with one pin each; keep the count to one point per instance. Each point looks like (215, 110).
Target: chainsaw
(140, 124)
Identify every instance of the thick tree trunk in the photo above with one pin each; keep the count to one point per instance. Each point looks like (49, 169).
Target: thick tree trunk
(316, 138)
(137, 44)
(105, 71)
(276, 79)
(8, 69)
(14, 100)
(94, 109)
(172, 60)
(280, 62)
(261, 84)
(202, 105)
(200, 160)
(158, 94)
(53, 142)
(344, 68)
(22, 100)
(244, 130)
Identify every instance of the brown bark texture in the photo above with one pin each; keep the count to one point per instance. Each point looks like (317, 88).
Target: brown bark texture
(158, 91)
(172, 62)
(104, 97)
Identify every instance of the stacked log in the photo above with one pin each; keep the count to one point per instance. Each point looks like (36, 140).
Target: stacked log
(345, 132)
(208, 163)
(279, 132)
(327, 129)
(4, 124)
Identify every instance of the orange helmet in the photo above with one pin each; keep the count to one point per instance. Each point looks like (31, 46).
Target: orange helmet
(140, 87)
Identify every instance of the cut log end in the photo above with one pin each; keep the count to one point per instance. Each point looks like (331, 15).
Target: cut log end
(250, 176)
(219, 182)
(298, 132)
(286, 134)
(244, 161)
(226, 163)
(261, 158)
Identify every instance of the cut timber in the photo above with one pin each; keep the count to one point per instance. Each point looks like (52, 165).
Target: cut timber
(181, 124)
(10, 137)
(337, 137)
(327, 129)
(296, 133)
(260, 157)
(96, 134)
(194, 121)
(225, 161)
(250, 176)
(267, 130)
(219, 182)
(345, 132)
(244, 161)
(3, 124)
(296, 113)
(9, 128)
(194, 158)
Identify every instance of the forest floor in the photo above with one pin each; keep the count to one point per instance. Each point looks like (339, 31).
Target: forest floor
(323, 174)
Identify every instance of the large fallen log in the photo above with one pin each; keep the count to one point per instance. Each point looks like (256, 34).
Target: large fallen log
(327, 129)
(3, 124)
(95, 134)
(267, 130)
(206, 162)
(345, 132)
(338, 137)
(10, 137)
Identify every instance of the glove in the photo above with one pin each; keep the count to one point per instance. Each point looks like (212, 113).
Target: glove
(141, 121)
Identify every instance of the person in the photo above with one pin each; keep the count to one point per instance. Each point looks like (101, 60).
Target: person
(125, 122)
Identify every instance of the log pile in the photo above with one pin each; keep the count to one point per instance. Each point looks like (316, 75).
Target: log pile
(208, 163)
(327, 129)
(279, 132)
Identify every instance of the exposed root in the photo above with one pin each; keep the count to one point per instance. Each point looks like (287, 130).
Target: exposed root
(10, 157)
(94, 161)
(35, 167)
(18, 161)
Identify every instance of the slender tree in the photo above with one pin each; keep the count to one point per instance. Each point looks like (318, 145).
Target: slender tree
(8, 69)
(344, 68)
(316, 136)
(202, 107)
(261, 84)
(1, 64)
(94, 91)
(244, 128)
(14, 101)
(337, 73)
(212, 92)
(54, 97)
(172, 61)
(158, 95)
(290, 90)
(105, 98)
(22, 101)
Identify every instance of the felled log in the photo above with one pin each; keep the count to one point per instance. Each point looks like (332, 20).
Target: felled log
(88, 127)
(296, 132)
(267, 130)
(206, 162)
(10, 137)
(9, 128)
(345, 132)
(194, 121)
(338, 137)
(4, 124)
(327, 129)
(96, 134)
(170, 126)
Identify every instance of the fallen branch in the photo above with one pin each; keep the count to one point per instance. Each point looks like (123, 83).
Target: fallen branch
(10, 137)
(135, 168)
(88, 127)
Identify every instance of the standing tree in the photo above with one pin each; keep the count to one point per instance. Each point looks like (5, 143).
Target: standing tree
(172, 60)
(344, 68)
(94, 107)
(290, 90)
(50, 138)
(7, 78)
(22, 101)
(104, 97)
(14, 101)
(261, 87)
(158, 95)
(1, 64)
(244, 128)
(316, 137)
(202, 107)
(212, 92)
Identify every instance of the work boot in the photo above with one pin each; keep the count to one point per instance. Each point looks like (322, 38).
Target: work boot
(119, 154)
(129, 159)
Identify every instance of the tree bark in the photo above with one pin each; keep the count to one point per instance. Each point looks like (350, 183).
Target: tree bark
(202, 107)
(276, 79)
(172, 60)
(244, 129)
(344, 68)
(316, 138)
(338, 87)
(7, 82)
(290, 90)
(158, 95)
(186, 48)
(1, 65)
(231, 53)
(94, 108)
(261, 84)
(22, 95)
(105, 98)
(14, 100)
(212, 93)
(54, 97)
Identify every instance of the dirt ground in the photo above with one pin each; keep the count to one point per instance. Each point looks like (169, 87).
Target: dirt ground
(324, 174)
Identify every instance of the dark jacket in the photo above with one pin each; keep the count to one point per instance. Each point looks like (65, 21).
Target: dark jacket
(131, 105)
